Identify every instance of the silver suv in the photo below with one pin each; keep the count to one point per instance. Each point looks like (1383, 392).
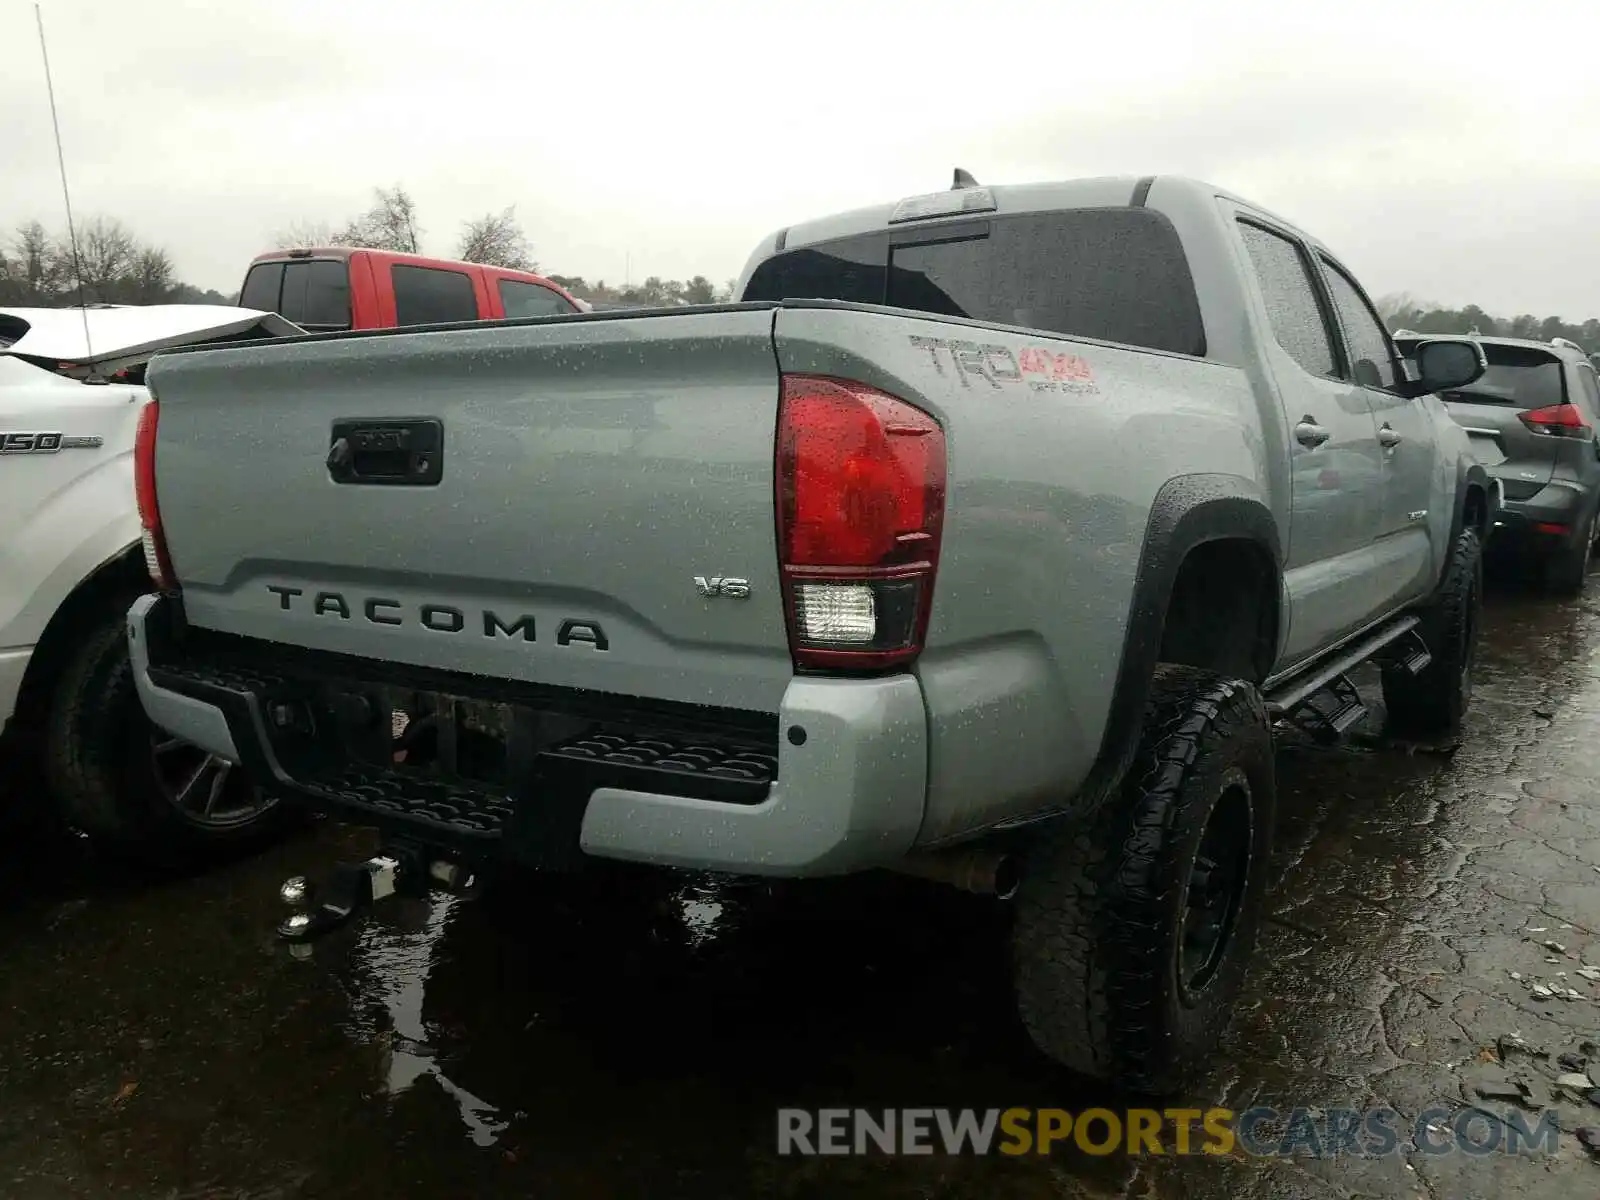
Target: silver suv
(1532, 420)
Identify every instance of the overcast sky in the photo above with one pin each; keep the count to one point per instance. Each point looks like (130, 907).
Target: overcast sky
(1442, 150)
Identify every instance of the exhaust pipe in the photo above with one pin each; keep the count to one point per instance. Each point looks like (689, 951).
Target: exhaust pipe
(982, 872)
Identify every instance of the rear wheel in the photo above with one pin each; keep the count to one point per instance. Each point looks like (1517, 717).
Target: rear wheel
(1133, 930)
(138, 792)
(1433, 703)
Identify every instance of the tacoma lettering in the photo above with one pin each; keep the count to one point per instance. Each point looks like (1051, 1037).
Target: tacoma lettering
(436, 618)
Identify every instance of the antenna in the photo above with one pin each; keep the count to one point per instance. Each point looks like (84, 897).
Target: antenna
(66, 195)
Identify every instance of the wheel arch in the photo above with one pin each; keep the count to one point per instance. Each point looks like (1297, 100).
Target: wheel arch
(1201, 529)
(123, 575)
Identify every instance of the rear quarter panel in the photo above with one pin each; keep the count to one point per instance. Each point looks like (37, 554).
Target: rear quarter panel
(1056, 451)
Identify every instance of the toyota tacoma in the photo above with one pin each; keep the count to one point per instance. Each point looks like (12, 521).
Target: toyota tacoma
(987, 537)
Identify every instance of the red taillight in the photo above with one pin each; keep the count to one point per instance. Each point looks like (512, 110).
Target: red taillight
(860, 480)
(144, 491)
(1559, 420)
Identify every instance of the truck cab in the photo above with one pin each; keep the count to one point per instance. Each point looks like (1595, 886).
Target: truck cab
(329, 288)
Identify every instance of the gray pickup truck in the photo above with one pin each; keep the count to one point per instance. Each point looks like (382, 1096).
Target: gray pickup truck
(987, 538)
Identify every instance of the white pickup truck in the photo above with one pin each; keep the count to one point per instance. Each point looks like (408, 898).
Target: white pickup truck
(72, 731)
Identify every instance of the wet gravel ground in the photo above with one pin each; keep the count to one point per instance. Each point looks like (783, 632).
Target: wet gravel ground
(637, 1036)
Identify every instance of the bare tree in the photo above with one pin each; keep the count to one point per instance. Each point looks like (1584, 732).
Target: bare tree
(38, 268)
(153, 277)
(304, 234)
(497, 240)
(390, 224)
(107, 252)
(1396, 304)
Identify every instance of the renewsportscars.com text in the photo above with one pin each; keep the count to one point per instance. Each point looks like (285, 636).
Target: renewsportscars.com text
(1257, 1132)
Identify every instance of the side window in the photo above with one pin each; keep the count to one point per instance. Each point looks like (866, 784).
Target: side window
(1297, 318)
(1590, 385)
(262, 286)
(425, 295)
(521, 299)
(1370, 356)
(316, 295)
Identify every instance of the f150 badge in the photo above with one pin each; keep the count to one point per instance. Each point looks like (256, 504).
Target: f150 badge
(729, 586)
(46, 442)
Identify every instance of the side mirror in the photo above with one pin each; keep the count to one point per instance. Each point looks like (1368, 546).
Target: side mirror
(1444, 364)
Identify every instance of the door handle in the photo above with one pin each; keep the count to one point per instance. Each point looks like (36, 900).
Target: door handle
(1387, 437)
(1309, 434)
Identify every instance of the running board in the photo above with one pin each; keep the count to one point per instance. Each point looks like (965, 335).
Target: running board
(1327, 715)
(1294, 692)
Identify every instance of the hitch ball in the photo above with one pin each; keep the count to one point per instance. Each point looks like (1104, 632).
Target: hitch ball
(294, 890)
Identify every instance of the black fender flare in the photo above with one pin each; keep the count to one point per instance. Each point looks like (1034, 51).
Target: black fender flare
(1471, 476)
(1187, 512)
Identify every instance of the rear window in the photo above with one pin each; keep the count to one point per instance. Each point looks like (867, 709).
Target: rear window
(316, 294)
(1523, 376)
(262, 287)
(425, 295)
(1117, 274)
(521, 299)
(313, 293)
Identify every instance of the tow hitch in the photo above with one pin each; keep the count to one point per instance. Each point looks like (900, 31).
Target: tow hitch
(352, 888)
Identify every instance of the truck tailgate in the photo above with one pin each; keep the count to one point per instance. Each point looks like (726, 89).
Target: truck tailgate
(588, 472)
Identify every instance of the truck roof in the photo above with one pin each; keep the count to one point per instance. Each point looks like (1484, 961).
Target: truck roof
(1097, 192)
(400, 257)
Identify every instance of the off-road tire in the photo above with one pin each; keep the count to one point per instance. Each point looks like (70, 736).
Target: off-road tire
(1567, 570)
(102, 774)
(1098, 929)
(1434, 703)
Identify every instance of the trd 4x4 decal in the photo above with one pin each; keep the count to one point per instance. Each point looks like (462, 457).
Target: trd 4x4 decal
(1042, 370)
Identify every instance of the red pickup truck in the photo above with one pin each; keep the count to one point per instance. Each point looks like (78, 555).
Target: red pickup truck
(341, 287)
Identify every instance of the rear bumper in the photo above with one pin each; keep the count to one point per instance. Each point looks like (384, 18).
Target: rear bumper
(1517, 524)
(848, 790)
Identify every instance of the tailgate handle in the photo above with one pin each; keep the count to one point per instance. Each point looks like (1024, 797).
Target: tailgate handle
(403, 452)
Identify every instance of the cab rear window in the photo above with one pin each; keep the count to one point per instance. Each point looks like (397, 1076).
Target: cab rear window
(1116, 274)
(313, 293)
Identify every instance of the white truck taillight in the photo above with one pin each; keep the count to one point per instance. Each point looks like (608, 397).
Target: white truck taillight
(861, 484)
(156, 559)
